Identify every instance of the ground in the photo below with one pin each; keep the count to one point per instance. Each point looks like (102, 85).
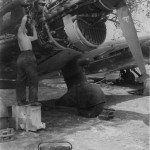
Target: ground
(129, 130)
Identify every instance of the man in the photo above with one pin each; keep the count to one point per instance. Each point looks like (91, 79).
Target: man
(26, 64)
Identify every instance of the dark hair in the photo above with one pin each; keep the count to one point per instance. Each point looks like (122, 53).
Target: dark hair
(29, 29)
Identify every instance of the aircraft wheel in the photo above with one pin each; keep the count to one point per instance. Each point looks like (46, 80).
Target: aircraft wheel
(87, 98)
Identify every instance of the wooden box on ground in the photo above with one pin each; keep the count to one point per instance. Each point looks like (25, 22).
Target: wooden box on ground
(27, 117)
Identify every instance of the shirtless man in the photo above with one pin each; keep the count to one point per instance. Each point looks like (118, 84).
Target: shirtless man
(26, 65)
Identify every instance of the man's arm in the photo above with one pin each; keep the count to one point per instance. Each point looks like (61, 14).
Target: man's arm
(23, 23)
(34, 37)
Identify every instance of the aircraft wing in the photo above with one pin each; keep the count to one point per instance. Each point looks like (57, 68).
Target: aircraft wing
(116, 56)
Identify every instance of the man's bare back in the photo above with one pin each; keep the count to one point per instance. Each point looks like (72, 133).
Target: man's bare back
(24, 41)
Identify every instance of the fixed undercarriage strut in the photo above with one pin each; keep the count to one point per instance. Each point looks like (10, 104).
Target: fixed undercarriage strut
(88, 98)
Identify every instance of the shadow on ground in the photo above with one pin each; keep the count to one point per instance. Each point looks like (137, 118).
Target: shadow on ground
(67, 119)
(130, 107)
(129, 115)
(115, 99)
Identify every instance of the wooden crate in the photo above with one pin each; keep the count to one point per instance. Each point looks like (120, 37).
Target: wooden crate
(27, 117)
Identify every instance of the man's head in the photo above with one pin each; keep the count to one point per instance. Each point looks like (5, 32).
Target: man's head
(28, 26)
(29, 20)
(41, 4)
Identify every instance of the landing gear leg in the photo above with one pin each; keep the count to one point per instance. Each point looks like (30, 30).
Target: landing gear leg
(146, 91)
(88, 98)
(145, 79)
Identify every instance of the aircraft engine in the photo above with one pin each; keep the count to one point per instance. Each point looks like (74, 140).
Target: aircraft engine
(75, 24)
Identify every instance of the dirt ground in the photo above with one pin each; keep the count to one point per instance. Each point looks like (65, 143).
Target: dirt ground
(128, 130)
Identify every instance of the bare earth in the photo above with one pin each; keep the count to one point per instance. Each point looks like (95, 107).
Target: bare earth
(129, 130)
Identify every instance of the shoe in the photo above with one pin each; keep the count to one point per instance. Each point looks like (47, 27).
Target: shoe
(23, 103)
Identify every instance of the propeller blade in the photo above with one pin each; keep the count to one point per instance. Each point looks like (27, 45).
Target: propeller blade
(129, 31)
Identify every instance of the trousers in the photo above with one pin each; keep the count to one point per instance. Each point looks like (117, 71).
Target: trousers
(26, 74)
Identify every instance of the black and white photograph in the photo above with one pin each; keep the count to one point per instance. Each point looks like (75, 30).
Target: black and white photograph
(74, 74)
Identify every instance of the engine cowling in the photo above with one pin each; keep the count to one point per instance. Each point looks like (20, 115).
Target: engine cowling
(83, 35)
(73, 24)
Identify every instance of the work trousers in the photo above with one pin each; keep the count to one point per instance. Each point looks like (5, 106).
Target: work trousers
(26, 74)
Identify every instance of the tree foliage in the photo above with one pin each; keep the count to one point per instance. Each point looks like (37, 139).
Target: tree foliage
(133, 6)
